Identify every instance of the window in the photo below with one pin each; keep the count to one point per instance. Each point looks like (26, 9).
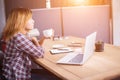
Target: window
(48, 5)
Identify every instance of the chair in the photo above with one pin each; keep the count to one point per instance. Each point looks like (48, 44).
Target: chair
(1, 60)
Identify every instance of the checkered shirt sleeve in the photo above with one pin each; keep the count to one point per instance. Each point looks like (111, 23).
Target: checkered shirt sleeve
(28, 47)
(17, 64)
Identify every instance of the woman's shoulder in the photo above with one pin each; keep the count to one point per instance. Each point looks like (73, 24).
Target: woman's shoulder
(19, 36)
(20, 39)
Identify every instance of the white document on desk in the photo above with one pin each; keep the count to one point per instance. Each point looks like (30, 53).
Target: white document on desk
(61, 50)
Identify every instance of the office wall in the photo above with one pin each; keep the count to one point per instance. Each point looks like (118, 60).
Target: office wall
(83, 20)
(32, 4)
(77, 21)
(46, 19)
(2, 16)
(116, 22)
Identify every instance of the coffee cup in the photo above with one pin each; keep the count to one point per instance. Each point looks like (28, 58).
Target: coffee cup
(48, 33)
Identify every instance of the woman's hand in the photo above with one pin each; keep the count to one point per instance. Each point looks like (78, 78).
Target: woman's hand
(35, 41)
(41, 40)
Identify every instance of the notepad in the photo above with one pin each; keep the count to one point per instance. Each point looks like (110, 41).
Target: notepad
(61, 50)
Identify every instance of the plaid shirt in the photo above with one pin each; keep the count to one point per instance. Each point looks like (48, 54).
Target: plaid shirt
(16, 63)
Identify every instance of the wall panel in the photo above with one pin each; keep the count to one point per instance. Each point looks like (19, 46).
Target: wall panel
(116, 22)
(83, 20)
(47, 18)
(75, 21)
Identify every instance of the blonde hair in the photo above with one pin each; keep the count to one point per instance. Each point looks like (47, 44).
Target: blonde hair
(16, 22)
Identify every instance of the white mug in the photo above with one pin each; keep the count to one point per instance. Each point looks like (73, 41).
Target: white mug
(48, 33)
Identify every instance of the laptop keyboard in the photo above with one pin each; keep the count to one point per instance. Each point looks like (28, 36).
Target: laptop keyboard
(76, 59)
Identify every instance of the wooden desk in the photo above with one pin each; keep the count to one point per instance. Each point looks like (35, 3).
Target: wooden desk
(100, 66)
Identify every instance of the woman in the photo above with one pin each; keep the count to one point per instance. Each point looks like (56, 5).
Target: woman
(19, 48)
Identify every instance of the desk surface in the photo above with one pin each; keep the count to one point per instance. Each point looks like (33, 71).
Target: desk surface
(100, 66)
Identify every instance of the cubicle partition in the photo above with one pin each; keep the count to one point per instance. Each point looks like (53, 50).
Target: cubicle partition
(83, 20)
(46, 19)
(116, 21)
(75, 21)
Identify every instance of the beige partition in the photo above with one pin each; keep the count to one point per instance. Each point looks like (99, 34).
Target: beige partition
(116, 22)
(75, 21)
(47, 18)
(83, 20)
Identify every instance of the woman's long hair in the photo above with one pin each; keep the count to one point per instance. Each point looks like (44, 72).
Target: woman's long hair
(16, 22)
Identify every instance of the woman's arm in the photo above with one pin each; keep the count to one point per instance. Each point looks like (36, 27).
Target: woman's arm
(35, 41)
(41, 40)
(25, 45)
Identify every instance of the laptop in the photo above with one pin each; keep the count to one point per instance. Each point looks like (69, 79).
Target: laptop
(78, 57)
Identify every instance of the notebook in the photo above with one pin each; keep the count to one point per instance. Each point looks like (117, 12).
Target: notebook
(61, 50)
(79, 57)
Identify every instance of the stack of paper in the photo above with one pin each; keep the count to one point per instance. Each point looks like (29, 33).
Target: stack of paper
(61, 50)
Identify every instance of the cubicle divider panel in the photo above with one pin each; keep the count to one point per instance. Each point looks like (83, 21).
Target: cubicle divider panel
(75, 21)
(46, 19)
(83, 20)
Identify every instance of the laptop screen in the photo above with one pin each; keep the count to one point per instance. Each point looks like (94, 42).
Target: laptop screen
(89, 46)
